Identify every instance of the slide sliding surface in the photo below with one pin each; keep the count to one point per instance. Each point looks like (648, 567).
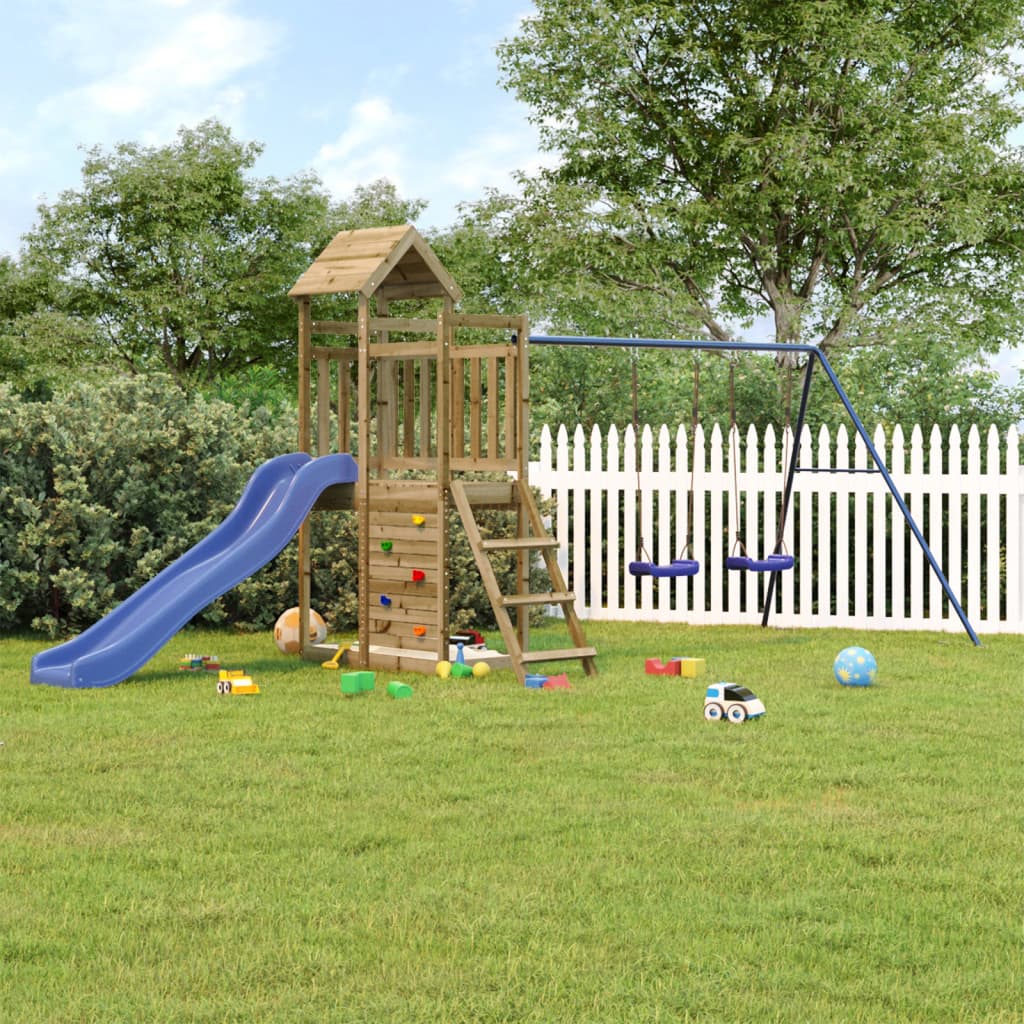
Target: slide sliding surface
(277, 498)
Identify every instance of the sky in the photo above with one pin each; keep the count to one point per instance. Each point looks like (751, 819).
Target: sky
(407, 91)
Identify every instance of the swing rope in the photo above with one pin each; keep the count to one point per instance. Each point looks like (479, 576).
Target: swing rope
(779, 560)
(645, 565)
(735, 457)
(780, 542)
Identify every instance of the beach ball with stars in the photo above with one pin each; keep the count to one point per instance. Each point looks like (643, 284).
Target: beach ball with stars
(854, 666)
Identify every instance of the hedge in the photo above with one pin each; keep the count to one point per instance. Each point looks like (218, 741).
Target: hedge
(104, 485)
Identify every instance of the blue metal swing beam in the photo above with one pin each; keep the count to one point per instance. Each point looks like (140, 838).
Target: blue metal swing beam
(814, 356)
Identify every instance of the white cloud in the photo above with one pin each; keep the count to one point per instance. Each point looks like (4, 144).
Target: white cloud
(491, 159)
(369, 148)
(170, 55)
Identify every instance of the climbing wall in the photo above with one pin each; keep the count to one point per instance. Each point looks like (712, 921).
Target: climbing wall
(404, 601)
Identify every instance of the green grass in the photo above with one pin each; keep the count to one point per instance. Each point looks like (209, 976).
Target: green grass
(485, 853)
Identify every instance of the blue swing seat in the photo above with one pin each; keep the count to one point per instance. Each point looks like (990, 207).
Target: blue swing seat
(677, 567)
(773, 563)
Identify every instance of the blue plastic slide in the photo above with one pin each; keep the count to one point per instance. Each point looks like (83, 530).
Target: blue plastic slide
(273, 505)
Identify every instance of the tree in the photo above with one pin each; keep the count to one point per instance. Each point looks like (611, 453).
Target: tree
(176, 258)
(842, 168)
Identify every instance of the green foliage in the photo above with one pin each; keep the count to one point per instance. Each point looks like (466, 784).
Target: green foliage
(104, 485)
(923, 383)
(812, 159)
(177, 258)
(485, 853)
(41, 344)
(173, 259)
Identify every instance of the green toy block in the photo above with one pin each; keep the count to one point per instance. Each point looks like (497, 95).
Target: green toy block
(399, 690)
(357, 682)
(460, 671)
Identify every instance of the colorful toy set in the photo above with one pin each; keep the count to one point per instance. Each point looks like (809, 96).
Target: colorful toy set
(354, 684)
(199, 663)
(535, 681)
(691, 668)
(458, 669)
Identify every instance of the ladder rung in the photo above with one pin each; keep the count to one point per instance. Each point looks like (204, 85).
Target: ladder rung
(485, 492)
(550, 597)
(518, 543)
(563, 655)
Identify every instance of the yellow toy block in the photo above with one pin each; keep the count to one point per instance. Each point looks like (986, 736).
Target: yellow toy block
(691, 667)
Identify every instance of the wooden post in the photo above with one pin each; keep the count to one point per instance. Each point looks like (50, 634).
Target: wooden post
(305, 445)
(385, 408)
(522, 443)
(363, 483)
(444, 352)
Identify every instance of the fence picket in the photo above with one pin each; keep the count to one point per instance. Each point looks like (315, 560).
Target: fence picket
(973, 605)
(933, 530)
(956, 487)
(1014, 526)
(897, 470)
(881, 504)
(825, 544)
(803, 535)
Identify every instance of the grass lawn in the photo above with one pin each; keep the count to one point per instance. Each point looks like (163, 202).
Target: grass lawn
(486, 853)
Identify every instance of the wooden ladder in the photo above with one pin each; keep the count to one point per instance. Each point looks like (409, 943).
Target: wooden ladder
(466, 494)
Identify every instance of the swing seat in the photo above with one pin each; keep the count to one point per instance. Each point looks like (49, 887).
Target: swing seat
(677, 567)
(773, 563)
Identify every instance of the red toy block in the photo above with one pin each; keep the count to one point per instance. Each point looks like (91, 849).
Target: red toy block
(559, 682)
(656, 667)
(418, 575)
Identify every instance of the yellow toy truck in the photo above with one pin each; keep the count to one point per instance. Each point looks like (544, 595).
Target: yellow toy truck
(235, 682)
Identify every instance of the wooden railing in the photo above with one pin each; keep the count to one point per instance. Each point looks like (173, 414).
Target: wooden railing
(483, 425)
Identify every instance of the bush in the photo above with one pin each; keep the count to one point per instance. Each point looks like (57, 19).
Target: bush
(104, 485)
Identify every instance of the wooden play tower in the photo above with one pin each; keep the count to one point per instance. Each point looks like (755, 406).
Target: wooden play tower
(435, 408)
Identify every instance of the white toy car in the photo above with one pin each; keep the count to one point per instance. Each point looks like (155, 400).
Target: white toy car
(729, 700)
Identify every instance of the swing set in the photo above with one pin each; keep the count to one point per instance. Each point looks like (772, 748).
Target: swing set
(779, 560)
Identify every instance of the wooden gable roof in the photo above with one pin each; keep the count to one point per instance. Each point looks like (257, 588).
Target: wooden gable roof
(395, 261)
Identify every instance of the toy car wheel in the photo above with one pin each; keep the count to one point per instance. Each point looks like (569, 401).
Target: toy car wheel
(227, 686)
(713, 712)
(737, 713)
(220, 687)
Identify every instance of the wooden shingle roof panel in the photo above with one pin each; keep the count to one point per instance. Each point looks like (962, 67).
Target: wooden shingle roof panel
(367, 259)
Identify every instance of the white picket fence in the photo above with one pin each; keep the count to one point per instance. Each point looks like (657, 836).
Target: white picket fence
(857, 563)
